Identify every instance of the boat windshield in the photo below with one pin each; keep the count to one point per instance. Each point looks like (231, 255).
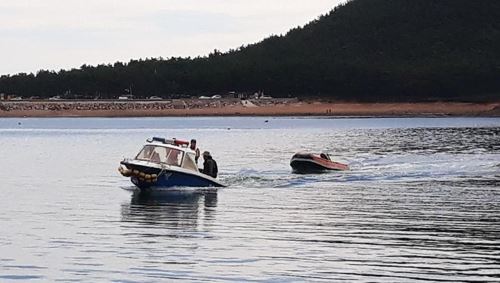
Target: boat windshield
(325, 156)
(189, 162)
(160, 154)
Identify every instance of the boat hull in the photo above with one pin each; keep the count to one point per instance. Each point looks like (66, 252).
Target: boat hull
(311, 166)
(176, 179)
(166, 178)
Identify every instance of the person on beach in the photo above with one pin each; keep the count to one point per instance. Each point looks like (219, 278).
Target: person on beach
(209, 165)
(196, 150)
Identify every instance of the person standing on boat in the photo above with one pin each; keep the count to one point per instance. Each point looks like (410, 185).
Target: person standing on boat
(209, 165)
(196, 150)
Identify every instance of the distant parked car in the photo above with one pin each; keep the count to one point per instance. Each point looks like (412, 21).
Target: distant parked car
(125, 97)
(16, 98)
(55, 98)
(155, 98)
(204, 97)
(216, 97)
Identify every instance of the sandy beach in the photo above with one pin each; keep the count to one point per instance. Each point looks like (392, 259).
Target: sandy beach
(282, 107)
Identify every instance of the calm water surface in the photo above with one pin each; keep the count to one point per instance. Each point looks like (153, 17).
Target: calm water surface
(421, 203)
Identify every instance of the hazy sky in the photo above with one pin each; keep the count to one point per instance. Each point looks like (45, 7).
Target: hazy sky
(55, 34)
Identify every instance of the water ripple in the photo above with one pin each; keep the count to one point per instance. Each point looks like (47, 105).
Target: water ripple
(420, 203)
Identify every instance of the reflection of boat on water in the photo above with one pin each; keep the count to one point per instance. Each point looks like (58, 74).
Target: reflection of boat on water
(166, 163)
(304, 163)
(171, 208)
(159, 197)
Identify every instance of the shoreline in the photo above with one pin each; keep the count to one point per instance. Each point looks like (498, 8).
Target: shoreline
(39, 109)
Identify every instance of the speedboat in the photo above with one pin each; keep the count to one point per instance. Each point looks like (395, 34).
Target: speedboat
(165, 163)
(304, 163)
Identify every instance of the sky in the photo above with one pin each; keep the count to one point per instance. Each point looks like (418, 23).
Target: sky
(65, 34)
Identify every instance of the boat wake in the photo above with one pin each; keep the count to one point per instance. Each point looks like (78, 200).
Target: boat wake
(368, 169)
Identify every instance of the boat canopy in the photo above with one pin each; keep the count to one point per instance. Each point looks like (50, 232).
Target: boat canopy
(168, 155)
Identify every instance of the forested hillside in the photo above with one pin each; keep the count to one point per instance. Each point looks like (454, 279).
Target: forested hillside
(363, 50)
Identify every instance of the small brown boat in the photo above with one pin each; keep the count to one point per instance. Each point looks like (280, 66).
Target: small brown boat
(304, 163)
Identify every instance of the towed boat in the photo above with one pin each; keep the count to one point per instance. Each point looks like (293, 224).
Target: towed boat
(165, 163)
(304, 163)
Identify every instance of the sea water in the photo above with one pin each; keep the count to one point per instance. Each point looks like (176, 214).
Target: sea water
(420, 203)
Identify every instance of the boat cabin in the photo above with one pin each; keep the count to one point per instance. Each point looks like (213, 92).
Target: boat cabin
(168, 152)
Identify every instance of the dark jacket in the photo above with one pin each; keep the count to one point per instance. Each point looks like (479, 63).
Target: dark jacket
(210, 167)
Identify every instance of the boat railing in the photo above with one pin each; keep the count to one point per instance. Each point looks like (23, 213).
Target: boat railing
(173, 141)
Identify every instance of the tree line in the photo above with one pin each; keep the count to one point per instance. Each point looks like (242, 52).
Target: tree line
(363, 50)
